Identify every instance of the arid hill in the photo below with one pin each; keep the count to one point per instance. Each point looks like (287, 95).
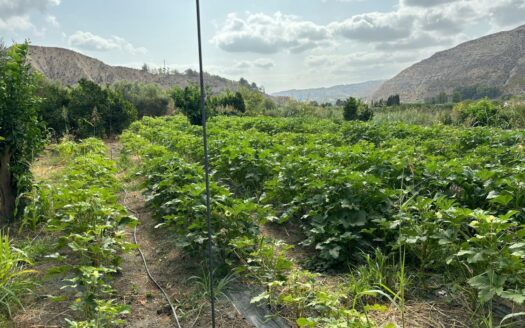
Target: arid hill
(69, 67)
(496, 60)
(358, 90)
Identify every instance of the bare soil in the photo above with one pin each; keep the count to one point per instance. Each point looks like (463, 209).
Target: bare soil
(172, 270)
(149, 309)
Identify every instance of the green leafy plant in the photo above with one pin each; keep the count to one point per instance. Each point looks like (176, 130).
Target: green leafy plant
(14, 275)
(496, 255)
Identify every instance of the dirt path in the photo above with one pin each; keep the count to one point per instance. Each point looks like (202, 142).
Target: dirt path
(172, 270)
(149, 309)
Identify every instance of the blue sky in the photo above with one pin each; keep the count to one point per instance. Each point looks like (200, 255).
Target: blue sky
(280, 44)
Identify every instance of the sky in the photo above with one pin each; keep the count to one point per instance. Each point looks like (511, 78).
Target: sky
(279, 44)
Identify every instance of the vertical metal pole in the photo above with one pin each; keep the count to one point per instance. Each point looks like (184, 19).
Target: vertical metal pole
(206, 168)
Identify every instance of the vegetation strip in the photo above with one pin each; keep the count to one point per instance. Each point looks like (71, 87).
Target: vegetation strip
(427, 199)
(79, 206)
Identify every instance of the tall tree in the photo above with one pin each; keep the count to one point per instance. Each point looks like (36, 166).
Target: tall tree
(53, 106)
(95, 111)
(20, 131)
(149, 99)
(188, 101)
(350, 109)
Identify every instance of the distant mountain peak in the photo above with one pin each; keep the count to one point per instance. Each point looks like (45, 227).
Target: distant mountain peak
(496, 60)
(362, 90)
(68, 67)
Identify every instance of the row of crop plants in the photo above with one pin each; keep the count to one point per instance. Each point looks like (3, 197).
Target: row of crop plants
(82, 226)
(431, 199)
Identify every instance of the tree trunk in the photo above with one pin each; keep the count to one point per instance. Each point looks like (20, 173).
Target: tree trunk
(7, 194)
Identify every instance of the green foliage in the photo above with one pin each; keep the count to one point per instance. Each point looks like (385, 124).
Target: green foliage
(177, 194)
(262, 260)
(20, 129)
(188, 101)
(256, 102)
(349, 187)
(420, 114)
(149, 99)
(14, 275)
(481, 113)
(475, 92)
(235, 101)
(94, 111)
(53, 107)
(496, 253)
(350, 109)
(298, 294)
(393, 100)
(354, 109)
(81, 208)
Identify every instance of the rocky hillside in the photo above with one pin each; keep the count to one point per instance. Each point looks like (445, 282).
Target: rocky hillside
(358, 90)
(496, 60)
(68, 67)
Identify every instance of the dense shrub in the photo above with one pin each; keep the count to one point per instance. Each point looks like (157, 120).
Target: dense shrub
(94, 111)
(149, 99)
(53, 107)
(21, 134)
(188, 100)
(354, 109)
(481, 113)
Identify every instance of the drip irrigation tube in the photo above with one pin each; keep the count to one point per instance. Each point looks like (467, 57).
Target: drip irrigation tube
(153, 279)
(150, 276)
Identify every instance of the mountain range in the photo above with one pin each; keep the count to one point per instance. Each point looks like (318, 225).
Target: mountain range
(496, 60)
(68, 67)
(331, 94)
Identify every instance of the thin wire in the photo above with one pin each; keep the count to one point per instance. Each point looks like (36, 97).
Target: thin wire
(150, 276)
(206, 166)
(173, 311)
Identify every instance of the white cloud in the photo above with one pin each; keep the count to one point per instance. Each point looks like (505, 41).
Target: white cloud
(264, 63)
(375, 26)
(10, 8)
(508, 13)
(16, 23)
(93, 42)
(14, 14)
(261, 33)
(357, 59)
(427, 3)
(52, 20)
(413, 24)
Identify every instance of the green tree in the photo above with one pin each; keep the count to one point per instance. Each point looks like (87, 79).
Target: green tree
(442, 98)
(255, 100)
(483, 112)
(21, 133)
(364, 113)
(149, 99)
(53, 106)
(229, 99)
(114, 112)
(456, 96)
(350, 109)
(188, 101)
(120, 115)
(84, 97)
(393, 100)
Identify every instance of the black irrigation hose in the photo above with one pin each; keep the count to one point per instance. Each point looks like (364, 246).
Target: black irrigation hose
(206, 165)
(153, 279)
(146, 264)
